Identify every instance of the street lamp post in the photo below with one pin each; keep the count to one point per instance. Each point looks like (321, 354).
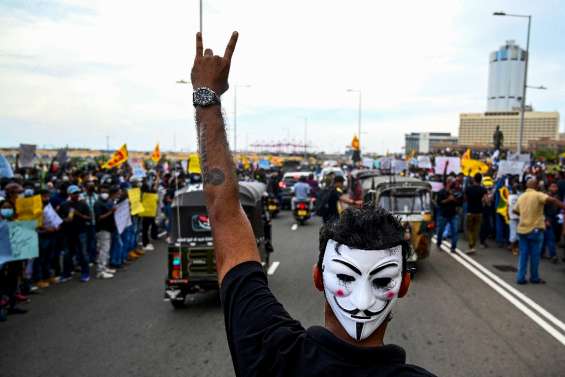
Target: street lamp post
(359, 114)
(235, 115)
(523, 104)
(200, 11)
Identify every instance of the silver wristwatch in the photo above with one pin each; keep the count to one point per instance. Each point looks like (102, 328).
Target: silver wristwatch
(204, 97)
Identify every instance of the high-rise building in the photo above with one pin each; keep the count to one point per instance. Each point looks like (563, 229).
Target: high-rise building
(426, 142)
(506, 78)
(477, 129)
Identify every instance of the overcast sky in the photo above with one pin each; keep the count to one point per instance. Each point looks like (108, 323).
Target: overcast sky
(75, 71)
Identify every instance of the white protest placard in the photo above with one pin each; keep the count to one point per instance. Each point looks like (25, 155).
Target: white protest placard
(398, 166)
(524, 157)
(122, 216)
(510, 167)
(137, 168)
(50, 218)
(453, 165)
(368, 162)
(424, 162)
(436, 186)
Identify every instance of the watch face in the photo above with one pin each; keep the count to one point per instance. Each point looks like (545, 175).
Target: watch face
(203, 97)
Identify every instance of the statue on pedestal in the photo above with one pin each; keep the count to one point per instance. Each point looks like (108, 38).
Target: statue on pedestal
(498, 139)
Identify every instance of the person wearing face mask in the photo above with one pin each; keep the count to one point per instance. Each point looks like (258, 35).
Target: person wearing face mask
(10, 272)
(361, 268)
(75, 215)
(46, 236)
(90, 198)
(104, 210)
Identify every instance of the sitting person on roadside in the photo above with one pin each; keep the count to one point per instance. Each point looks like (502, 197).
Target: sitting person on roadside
(361, 268)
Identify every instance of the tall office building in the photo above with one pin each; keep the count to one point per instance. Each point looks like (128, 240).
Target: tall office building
(506, 78)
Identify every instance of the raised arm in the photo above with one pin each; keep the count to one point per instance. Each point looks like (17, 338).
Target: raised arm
(234, 242)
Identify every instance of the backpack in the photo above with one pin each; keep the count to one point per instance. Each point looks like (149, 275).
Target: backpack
(322, 202)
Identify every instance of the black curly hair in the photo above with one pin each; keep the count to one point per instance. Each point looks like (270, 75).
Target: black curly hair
(367, 228)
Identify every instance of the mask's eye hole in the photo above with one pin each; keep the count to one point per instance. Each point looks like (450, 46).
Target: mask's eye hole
(381, 282)
(345, 278)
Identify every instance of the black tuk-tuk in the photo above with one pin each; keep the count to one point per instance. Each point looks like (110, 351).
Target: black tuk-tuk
(191, 260)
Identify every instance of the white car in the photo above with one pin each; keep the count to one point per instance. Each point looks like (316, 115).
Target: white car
(325, 171)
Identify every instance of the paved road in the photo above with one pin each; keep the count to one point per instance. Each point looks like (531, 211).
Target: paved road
(451, 322)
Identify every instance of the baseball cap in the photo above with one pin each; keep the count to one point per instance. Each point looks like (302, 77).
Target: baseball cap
(73, 189)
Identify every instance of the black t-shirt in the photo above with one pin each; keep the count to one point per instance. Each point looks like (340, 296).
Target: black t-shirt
(332, 200)
(102, 207)
(78, 224)
(474, 195)
(447, 210)
(265, 341)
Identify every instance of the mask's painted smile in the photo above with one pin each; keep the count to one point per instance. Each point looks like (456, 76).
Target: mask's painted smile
(368, 313)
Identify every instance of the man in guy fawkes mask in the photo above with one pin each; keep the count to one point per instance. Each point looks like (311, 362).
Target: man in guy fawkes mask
(361, 267)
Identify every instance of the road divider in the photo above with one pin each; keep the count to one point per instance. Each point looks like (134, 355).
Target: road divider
(522, 302)
(273, 267)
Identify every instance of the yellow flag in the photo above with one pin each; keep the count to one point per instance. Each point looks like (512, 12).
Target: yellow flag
(119, 157)
(502, 207)
(194, 164)
(466, 155)
(355, 143)
(30, 209)
(471, 167)
(149, 202)
(134, 196)
(156, 155)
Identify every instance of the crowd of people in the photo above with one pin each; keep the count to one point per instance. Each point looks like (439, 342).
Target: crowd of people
(87, 243)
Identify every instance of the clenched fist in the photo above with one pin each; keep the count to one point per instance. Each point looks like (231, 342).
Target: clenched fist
(211, 70)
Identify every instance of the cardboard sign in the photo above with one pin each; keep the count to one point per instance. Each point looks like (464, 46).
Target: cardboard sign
(27, 155)
(30, 209)
(453, 165)
(5, 168)
(18, 241)
(134, 196)
(506, 167)
(149, 202)
(122, 216)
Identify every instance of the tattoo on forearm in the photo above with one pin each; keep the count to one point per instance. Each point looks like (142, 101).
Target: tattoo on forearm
(213, 176)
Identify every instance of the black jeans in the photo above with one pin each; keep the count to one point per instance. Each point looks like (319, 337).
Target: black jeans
(146, 223)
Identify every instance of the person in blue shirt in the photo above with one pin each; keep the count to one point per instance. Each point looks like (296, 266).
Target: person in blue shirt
(301, 192)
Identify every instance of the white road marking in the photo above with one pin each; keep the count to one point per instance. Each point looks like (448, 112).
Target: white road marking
(161, 234)
(273, 268)
(294, 226)
(494, 283)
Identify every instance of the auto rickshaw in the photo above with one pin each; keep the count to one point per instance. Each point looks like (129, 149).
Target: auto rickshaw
(191, 260)
(410, 200)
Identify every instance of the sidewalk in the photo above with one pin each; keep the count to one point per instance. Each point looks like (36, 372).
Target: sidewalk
(503, 264)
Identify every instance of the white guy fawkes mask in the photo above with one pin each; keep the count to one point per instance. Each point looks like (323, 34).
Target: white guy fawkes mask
(361, 286)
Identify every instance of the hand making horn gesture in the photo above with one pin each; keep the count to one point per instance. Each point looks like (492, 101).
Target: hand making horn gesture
(211, 70)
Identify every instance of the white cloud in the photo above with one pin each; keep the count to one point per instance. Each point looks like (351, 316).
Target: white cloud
(109, 68)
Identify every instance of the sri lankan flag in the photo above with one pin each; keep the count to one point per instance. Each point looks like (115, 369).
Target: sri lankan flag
(119, 157)
(156, 155)
(502, 207)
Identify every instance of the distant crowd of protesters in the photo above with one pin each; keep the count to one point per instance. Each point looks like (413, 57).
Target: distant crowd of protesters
(87, 242)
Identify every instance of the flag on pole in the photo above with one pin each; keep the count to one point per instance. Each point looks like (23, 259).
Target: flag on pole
(156, 155)
(502, 207)
(119, 157)
(355, 143)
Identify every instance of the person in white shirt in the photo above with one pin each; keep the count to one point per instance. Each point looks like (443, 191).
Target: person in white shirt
(514, 218)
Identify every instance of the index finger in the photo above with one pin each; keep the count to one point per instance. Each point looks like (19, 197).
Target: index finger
(199, 45)
(231, 46)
